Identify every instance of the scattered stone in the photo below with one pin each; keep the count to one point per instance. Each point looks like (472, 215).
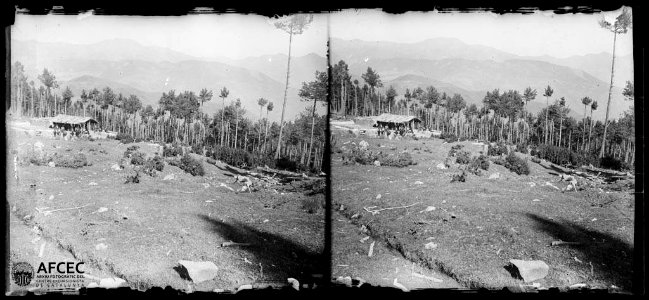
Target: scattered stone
(51, 197)
(536, 200)
(206, 185)
(116, 167)
(494, 176)
(101, 246)
(199, 271)
(427, 209)
(102, 209)
(442, 166)
(531, 270)
(418, 182)
(294, 283)
(365, 239)
(430, 246)
(377, 163)
(363, 145)
(169, 177)
(378, 196)
(51, 164)
(111, 283)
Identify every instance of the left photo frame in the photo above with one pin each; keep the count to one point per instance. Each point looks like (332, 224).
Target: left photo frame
(156, 151)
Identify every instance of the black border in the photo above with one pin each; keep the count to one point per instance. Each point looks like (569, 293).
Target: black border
(273, 8)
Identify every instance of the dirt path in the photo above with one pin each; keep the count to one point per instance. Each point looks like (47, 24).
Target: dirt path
(350, 259)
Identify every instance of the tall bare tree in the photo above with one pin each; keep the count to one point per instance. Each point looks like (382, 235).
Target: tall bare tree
(269, 108)
(293, 25)
(621, 26)
(547, 94)
(585, 101)
(224, 94)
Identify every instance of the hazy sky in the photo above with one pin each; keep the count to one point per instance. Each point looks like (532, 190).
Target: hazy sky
(541, 33)
(226, 35)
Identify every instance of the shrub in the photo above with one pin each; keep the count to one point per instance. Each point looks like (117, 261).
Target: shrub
(135, 178)
(448, 137)
(137, 158)
(153, 164)
(454, 150)
(610, 162)
(522, 148)
(463, 157)
(478, 163)
(76, 161)
(124, 138)
(459, 177)
(497, 150)
(517, 164)
(313, 204)
(564, 156)
(211, 161)
(400, 160)
(172, 151)
(189, 165)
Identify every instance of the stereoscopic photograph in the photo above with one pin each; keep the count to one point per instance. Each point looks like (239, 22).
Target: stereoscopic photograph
(166, 151)
(231, 152)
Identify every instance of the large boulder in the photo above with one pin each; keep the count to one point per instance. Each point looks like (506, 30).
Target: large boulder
(530, 270)
(199, 271)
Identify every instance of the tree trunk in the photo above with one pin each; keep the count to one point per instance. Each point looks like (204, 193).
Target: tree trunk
(288, 71)
(610, 89)
(308, 158)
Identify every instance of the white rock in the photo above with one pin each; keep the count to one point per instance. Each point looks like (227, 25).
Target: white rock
(101, 246)
(200, 271)
(116, 167)
(102, 209)
(111, 283)
(206, 185)
(363, 145)
(377, 163)
(51, 164)
(430, 246)
(170, 177)
(51, 197)
(494, 176)
(531, 270)
(441, 166)
(418, 182)
(378, 196)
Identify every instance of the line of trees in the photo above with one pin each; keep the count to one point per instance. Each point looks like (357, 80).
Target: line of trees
(179, 117)
(503, 115)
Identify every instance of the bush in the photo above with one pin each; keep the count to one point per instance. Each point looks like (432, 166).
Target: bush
(448, 137)
(478, 163)
(135, 178)
(76, 161)
(189, 165)
(454, 150)
(153, 164)
(137, 158)
(463, 157)
(313, 204)
(497, 150)
(564, 156)
(522, 148)
(172, 151)
(211, 161)
(124, 138)
(517, 164)
(610, 162)
(400, 160)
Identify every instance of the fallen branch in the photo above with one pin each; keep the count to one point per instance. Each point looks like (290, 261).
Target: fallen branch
(228, 244)
(370, 209)
(48, 212)
(559, 243)
(433, 279)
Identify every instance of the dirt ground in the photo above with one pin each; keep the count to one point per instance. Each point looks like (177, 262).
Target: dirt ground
(477, 226)
(150, 226)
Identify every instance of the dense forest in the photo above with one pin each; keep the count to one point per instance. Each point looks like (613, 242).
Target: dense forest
(229, 134)
(501, 117)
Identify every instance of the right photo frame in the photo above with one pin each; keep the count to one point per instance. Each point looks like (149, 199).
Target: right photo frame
(482, 150)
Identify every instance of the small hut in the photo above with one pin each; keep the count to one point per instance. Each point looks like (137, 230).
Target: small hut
(71, 123)
(391, 122)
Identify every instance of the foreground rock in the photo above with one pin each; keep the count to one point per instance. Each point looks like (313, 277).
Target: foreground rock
(530, 270)
(199, 271)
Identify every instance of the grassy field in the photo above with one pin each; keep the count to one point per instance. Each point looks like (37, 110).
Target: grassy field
(148, 227)
(480, 224)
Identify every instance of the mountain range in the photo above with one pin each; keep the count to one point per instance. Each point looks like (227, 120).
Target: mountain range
(450, 65)
(453, 66)
(131, 68)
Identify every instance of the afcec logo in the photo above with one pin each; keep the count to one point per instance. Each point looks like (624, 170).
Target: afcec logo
(22, 273)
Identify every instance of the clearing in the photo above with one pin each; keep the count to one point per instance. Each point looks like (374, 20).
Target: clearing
(146, 228)
(477, 226)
